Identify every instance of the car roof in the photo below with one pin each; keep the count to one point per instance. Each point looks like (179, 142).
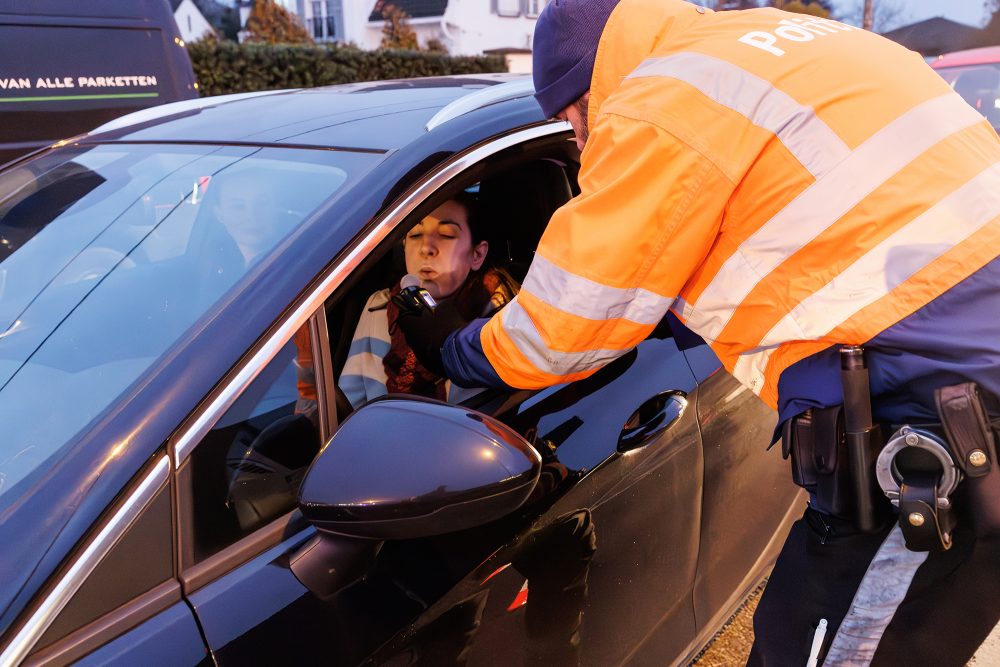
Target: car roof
(982, 56)
(374, 115)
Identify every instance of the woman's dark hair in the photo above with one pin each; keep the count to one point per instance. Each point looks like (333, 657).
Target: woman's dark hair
(478, 226)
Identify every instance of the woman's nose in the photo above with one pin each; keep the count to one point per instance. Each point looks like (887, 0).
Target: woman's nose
(428, 247)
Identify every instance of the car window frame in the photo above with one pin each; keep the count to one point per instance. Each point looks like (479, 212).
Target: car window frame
(489, 400)
(310, 307)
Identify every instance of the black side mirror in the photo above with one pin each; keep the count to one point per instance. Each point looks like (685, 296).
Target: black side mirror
(408, 468)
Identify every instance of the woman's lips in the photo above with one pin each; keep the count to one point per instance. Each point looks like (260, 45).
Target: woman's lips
(427, 273)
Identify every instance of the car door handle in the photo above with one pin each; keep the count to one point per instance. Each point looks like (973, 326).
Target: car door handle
(651, 419)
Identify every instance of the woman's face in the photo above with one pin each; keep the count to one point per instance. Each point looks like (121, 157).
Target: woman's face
(440, 252)
(248, 210)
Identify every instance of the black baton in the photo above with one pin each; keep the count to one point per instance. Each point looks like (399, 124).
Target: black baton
(858, 427)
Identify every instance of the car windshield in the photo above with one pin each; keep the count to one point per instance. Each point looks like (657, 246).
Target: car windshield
(979, 85)
(110, 253)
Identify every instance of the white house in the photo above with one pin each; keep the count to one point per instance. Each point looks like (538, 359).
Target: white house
(191, 23)
(465, 27)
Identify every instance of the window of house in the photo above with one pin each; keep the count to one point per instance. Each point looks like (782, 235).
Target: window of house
(532, 8)
(510, 8)
(332, 11)
(316, 21)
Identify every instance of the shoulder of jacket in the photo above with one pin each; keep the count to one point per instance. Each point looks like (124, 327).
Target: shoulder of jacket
(686, 135)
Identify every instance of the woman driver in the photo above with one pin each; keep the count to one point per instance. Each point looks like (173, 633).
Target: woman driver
(447, 252)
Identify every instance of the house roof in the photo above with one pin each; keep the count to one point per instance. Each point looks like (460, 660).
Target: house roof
(935, 36)
(415, 9)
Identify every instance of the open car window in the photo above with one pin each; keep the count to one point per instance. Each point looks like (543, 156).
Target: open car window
(513, 200)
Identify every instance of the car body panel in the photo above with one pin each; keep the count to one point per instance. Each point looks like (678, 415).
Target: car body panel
(170, 638)
(730, 544)
(341, 116)
(981, 56)
(429, 583)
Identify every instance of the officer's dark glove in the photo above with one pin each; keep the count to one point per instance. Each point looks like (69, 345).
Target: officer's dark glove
(426, 330)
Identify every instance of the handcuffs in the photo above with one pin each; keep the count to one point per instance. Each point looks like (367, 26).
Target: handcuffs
(917, 473)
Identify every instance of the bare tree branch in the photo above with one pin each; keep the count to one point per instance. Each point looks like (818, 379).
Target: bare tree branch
(886, 14)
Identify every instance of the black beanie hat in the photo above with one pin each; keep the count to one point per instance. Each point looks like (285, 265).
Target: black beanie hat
(564, 48)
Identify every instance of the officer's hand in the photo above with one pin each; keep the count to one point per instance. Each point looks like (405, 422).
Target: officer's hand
(426, 331)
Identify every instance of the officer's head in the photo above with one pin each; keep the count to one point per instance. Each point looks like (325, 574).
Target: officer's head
(565, 45)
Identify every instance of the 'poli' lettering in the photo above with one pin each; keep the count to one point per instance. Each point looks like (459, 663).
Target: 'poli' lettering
(794, 30)
(795, 33)
(762, 40)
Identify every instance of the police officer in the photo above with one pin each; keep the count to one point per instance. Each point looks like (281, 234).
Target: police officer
(785, 185)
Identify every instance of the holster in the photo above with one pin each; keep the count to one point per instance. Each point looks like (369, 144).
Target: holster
(972, 440)
(816, 443)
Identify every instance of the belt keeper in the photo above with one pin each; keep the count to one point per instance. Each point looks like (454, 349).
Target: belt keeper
(925, 523)
(967, 428)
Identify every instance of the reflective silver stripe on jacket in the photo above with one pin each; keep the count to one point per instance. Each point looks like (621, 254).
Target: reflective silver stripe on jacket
(875, 274)
(878, 597)
(809, 139)
(824, 203)
(523, 333)
(583, 297)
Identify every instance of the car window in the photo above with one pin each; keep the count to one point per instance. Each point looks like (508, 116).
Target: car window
(109, 254)
(247, 470)
(511, 205)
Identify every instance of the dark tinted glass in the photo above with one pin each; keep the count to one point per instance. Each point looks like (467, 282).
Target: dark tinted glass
(247, 470)
(142, 560)
(109, 255)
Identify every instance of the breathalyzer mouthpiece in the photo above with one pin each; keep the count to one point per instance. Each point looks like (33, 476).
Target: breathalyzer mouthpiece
(415, 296)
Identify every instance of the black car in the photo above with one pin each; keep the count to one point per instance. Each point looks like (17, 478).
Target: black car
(182, 480)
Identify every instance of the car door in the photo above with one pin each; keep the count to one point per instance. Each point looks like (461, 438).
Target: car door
(749, 501)
(119, 601)
(619, 507)
(636, 503)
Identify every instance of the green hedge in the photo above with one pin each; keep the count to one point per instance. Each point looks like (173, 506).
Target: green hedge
(226, 67)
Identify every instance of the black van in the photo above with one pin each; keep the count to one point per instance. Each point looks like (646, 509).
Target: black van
(67, 66)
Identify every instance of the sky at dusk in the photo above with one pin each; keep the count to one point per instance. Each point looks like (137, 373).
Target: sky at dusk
(910, 11)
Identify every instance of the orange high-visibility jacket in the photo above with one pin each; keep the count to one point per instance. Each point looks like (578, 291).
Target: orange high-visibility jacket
(782, 183)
